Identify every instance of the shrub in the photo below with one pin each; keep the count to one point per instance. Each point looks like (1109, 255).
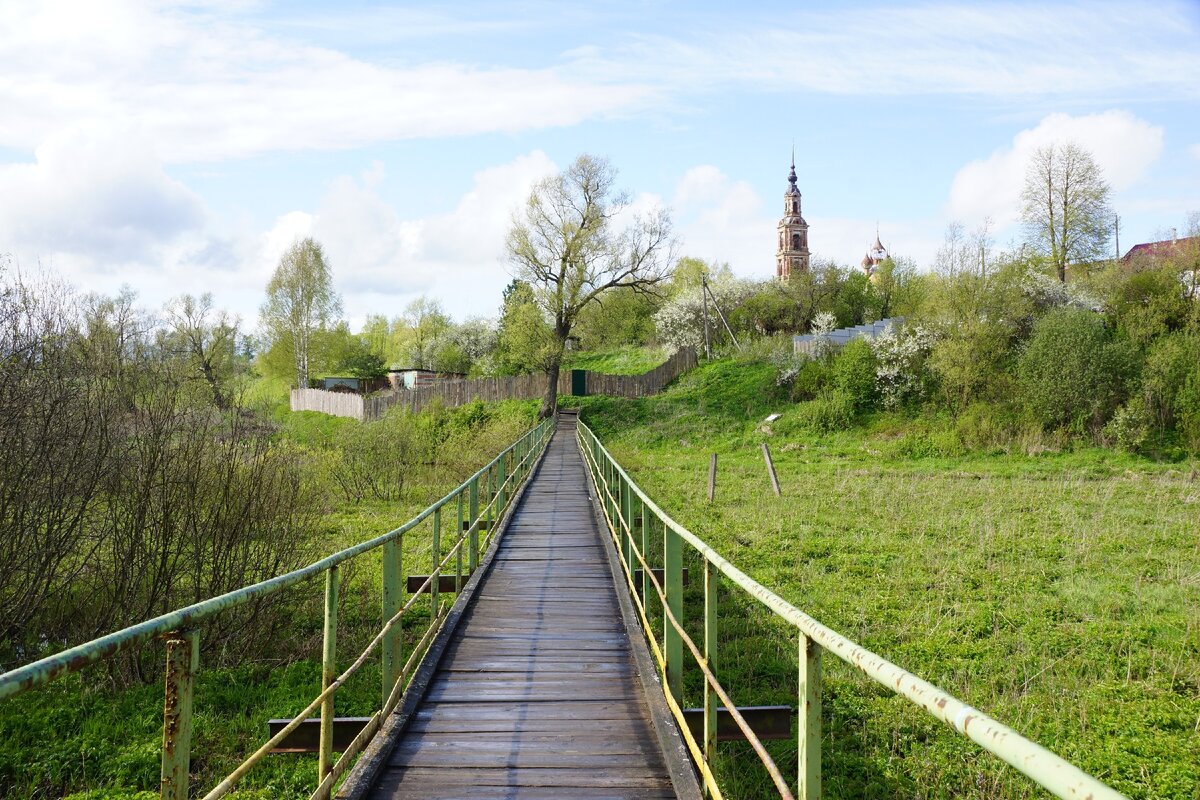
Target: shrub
(1071, 372)
(1131, 426)
(901, 355)
(832, 411)
(810, 380)
(853, 374)
(990, 427)
(968, 361)
(1171, 362)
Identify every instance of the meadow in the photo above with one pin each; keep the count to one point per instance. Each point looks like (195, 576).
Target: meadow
(1058, 592)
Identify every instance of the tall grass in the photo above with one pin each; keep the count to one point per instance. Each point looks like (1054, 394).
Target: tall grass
(1059, 593)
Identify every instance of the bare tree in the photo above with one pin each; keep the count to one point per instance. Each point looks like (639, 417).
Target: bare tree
(1065, 206)
(567, 245)
(300, 302)
(206, 339)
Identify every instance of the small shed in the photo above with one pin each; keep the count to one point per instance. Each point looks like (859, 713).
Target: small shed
(343, 384)
(412, 378)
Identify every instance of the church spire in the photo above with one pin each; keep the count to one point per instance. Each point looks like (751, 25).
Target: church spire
(793, 254)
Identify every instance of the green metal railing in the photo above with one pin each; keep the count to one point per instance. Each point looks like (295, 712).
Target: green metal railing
(630, 514)
(493, 486)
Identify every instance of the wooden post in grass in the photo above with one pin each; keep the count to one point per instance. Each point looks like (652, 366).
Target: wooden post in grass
(771, 470)
(712, 476)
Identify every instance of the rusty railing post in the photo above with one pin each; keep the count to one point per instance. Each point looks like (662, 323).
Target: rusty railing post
(328, 671)
(183, 662)
(393, 599)
(809, 727)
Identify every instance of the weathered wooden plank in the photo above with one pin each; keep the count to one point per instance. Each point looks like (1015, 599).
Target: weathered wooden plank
(537, 694)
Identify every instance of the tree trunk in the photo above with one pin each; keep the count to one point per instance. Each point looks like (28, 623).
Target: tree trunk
(550, 400)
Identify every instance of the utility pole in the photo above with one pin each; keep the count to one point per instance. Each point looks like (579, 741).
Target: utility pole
(721, 314)
(1117, 231)
(704, 296)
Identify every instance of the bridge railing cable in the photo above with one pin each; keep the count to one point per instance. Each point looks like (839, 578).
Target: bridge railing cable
(478, 504)
(630, 513)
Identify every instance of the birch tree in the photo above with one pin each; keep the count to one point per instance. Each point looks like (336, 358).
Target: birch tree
(300, 302)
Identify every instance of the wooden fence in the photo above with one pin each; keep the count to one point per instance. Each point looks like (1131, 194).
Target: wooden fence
(519, 387)
(339, 404)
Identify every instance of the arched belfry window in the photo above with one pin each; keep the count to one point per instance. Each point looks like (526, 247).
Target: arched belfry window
(795, 241)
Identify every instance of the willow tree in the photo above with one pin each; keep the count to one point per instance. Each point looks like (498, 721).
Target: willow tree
(569, 244)
(300, 302)
(1064, 206)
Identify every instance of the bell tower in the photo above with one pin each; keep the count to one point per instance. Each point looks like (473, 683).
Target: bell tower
(792, 255)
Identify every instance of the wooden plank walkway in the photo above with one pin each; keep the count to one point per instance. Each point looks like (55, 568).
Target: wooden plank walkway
(537, 694)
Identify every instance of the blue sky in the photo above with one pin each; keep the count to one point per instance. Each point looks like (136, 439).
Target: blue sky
(182, 146)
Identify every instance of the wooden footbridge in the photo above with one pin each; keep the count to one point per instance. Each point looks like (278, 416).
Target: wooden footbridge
(544, 677)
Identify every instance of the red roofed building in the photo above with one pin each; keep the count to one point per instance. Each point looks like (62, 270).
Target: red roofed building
(1167, 248)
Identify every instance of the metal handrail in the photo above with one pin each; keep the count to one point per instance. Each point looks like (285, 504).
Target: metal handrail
(500, 478)
(619, 494)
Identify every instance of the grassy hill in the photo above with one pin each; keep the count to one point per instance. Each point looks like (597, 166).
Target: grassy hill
(1059, 592)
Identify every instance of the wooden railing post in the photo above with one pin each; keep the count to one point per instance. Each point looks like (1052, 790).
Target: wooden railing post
(183, 662)
(392, 659)
(809, 711)
(328, 671)
(672, 641)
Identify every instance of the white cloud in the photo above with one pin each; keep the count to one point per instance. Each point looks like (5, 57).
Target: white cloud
(103, 195)
(1123, 145)
(999, 49)
(209, 87)
(1195, 151)
(721, 219)
(381, 260)
(725, 220)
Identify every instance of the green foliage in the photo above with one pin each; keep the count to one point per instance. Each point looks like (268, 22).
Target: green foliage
(811, 378)
(618, 361)
(832, 411)
(621, 318)
(853, 374)
(1149, 303)
(970, 361)
(989, 427)
(1004, 579)
(300, 302)
(1071, 372)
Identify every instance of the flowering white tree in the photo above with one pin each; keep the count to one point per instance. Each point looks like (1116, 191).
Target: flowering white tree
(900, 355)
(680, 322)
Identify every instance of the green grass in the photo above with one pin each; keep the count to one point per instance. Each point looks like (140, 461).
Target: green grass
(622, 361)
(84, 737)
(1059, 593)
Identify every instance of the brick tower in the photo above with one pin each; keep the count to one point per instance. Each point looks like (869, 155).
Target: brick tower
(792, 255)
